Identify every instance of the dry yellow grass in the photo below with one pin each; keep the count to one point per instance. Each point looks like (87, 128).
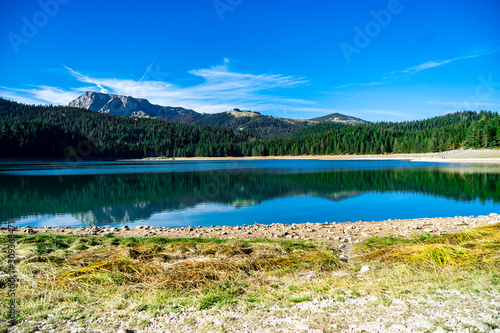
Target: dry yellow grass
(478, 246)
(91, 275)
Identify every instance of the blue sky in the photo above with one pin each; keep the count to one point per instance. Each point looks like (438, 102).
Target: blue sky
(377, 60)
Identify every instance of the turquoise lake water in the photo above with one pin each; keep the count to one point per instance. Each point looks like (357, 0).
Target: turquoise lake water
(236, 192)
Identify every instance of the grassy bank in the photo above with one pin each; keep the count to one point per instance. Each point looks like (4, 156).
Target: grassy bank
(78, 278)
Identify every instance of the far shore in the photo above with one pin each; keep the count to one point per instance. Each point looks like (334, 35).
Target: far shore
(452, 156)
(482, 156)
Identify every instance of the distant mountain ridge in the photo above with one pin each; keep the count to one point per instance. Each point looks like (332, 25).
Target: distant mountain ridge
(242, 120)
(126, 106)
(37, 131)
(340, 118)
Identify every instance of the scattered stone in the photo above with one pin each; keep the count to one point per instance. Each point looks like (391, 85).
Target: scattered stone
(364, 269)
(440, 330)
(398, 328)
(478, 324)
(423, 323)
(302, 326)
(32, 329)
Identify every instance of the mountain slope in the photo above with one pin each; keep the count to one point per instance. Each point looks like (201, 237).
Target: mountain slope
(127, 106)
(341, 119)
(56, 131)
(252, 122)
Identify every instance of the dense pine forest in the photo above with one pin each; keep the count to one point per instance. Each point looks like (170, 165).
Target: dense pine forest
(57, 131)
(461, 129)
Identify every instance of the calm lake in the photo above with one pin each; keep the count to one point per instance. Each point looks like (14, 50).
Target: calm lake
(235, 192)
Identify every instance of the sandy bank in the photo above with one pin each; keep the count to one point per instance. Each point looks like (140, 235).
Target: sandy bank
(452, 156)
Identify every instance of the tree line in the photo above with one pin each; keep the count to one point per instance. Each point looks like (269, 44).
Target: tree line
(461, 129)
(59, 131)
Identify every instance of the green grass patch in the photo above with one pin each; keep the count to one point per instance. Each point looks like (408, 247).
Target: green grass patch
(91, 275)
(475, 246)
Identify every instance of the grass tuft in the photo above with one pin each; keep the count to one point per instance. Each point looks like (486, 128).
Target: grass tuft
(89, 276)
(475, 246)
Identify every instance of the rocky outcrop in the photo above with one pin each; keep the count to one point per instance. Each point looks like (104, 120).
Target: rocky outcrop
(125, 106)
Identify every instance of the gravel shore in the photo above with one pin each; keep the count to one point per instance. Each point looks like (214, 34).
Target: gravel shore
(344, 235)
(441, 311)
(446, 311)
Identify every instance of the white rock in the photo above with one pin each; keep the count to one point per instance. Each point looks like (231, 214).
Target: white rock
(398, 328)
(481, 327)
(302, 326)
(423, 323)
(364, 269)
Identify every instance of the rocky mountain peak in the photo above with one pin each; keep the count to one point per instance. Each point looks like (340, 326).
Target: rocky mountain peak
(125, 105)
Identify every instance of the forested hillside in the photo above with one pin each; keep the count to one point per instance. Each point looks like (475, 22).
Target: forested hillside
(48, 131)
(252, 122)
(461, 129)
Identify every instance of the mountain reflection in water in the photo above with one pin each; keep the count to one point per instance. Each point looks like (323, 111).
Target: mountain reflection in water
(116, 198)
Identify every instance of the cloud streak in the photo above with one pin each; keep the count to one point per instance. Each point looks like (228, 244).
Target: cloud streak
(466, 105)
(433, 64)
(221, 90)
(396, 75)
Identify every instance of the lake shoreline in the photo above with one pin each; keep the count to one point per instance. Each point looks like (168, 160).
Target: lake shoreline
(343, 234)
(482, 156)
(312, 283)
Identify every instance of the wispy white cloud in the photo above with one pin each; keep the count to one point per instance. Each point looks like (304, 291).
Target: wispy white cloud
(434, 64)
(395, 75)
(13, 96)
(221, 90)
(466, 105)
(41, 95)
(86, 79)
(385, 112)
